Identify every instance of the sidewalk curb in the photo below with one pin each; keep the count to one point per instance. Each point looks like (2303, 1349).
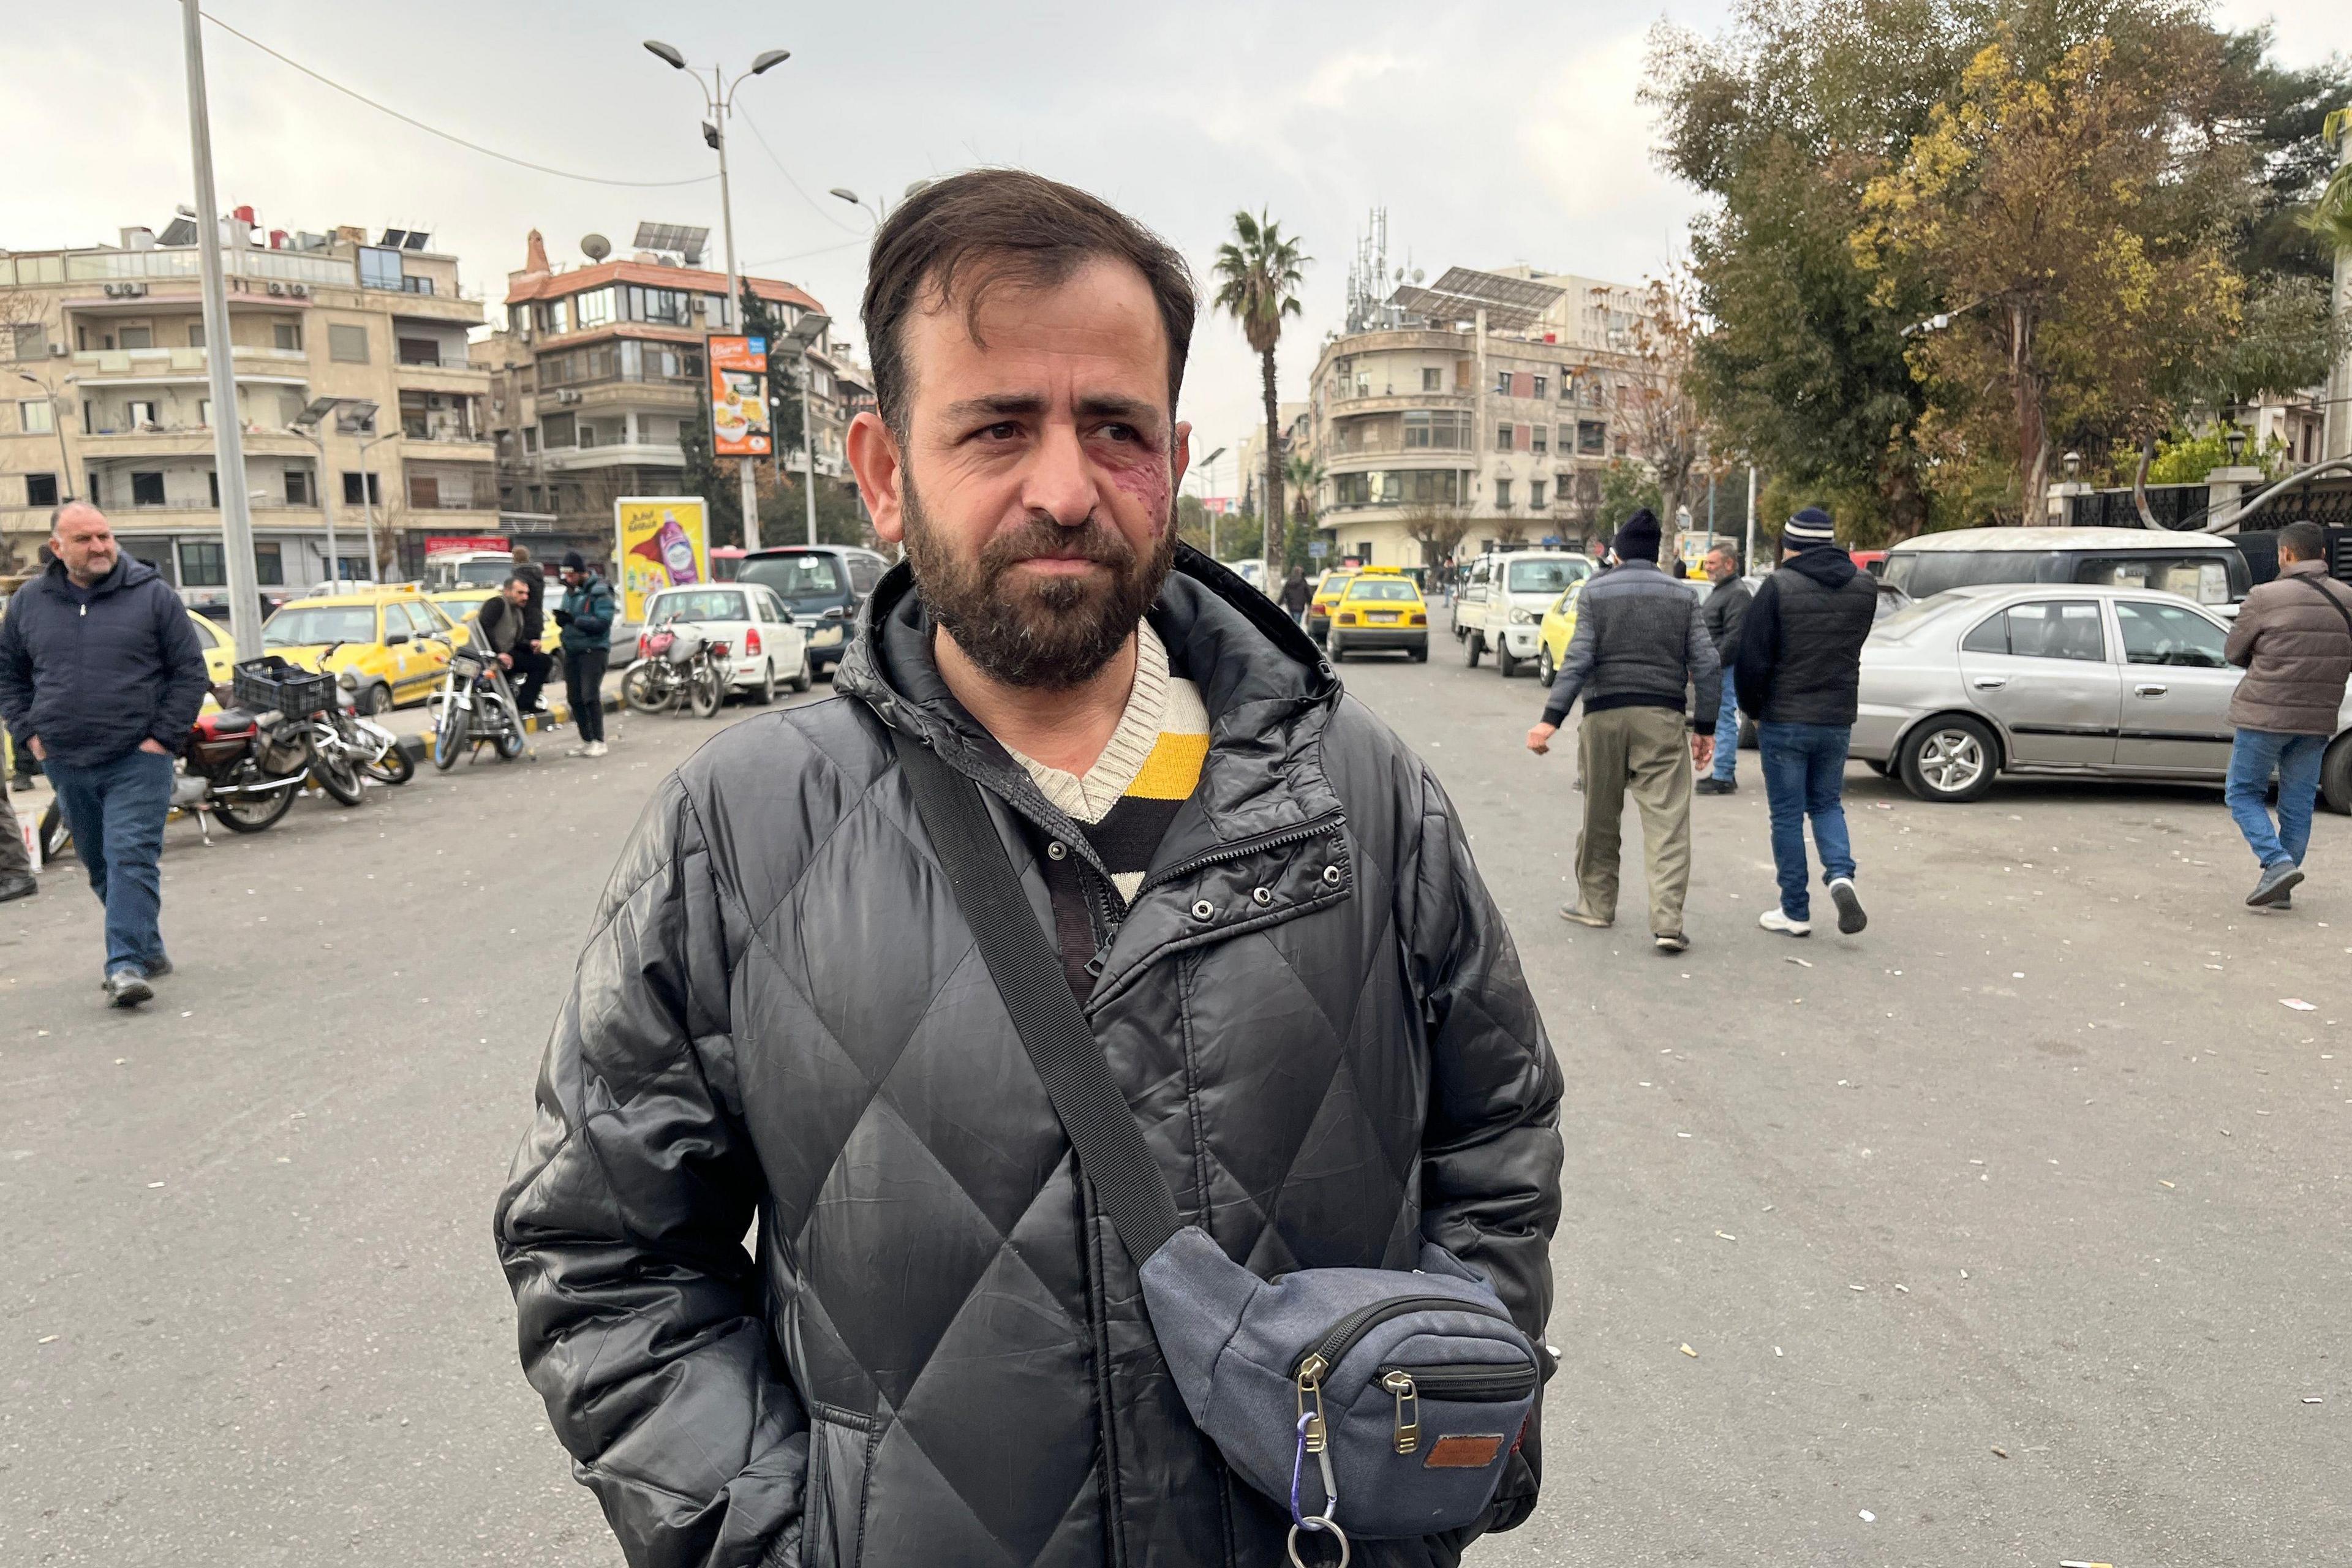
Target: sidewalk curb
(419, 746)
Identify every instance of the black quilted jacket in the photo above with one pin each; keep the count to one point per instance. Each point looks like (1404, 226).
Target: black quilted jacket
(938, 1354)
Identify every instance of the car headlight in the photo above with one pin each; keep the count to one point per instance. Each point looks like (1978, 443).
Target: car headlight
(1525, 617)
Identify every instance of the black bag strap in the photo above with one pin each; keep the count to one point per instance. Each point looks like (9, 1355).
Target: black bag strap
(1062, 1045)
(2314, 584)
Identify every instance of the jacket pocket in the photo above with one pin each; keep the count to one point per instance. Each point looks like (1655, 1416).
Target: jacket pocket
(833, 1505)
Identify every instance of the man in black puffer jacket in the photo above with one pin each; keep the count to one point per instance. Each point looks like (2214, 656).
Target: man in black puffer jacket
(937, 1351)
(1799, 672)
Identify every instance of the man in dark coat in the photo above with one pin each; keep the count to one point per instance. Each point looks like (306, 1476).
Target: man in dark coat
(1799, 673)
(100, 677)
(505, 621)
(1725, 607)
(938, 1353)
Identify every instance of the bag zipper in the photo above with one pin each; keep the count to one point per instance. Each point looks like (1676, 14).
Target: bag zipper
(1345, 1334)
(1475, 1381)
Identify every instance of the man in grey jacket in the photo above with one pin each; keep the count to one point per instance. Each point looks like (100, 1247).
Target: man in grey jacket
(1724, 608)
(1639, 653)
(2293, 639)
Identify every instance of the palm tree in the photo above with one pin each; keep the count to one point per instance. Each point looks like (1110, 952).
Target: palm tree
(1304, 476)
(1259, 273)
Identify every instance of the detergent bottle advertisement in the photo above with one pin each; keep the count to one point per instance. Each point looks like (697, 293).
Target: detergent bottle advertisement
(661, 542)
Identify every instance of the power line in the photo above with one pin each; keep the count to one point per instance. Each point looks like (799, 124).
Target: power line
(787, 174)
(447, 136)
(804, 255)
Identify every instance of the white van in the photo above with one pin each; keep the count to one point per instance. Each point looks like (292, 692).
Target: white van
(1507, 618)
(2205, 567)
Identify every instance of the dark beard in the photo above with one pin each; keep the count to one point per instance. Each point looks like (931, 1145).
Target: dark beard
(1050, 635)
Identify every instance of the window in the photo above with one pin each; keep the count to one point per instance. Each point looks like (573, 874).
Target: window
(286, 334)
(1502, 383)
(662, 307)
(1542, 437)
(36, 416)
(138, 337)
(1502, 492)
(298, 488)
(864, 571)
(147, 489)
(380, 268)
(212, 486)
(142, 413)
(2053, 628)
(1441, 429)
(1535, 495)
(201, 565)
(2168, 633)
(2203, 576)
(419, 351)
(424, 490)
(347, 345)
(351, 488)
(41, 489)
(269, 565)
(559, 430)
(530, 437)
(26, 340)
(1502, 437)
(1430, 380)
(1567, 386)
(1542, 385)
(1592, 437)
(593, 307)
(196, 335)
(555, 316)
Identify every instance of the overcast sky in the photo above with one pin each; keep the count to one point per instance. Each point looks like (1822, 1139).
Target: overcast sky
(1492, 134)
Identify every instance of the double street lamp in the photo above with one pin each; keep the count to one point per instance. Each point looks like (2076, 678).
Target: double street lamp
(719, 99)
(64, 463)
(351, 415)
(805, 333)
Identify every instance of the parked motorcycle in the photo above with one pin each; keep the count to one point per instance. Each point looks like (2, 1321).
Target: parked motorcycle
(681, 663)
(476, 707)
(373, 750)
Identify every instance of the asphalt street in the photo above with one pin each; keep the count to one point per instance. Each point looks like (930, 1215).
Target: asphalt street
(2011, 1231)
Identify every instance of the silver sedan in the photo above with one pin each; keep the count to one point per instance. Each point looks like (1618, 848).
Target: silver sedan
(2056, 680)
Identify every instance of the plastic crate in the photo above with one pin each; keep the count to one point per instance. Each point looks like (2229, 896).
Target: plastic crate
(271, 684)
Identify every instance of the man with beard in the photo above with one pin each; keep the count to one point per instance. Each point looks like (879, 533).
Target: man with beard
(938, 1350)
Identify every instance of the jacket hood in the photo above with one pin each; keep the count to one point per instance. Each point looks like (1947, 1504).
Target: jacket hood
(127, 572)
(1826, 564)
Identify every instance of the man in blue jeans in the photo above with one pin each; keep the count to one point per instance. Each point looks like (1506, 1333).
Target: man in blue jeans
(1799, 673)
(1724, 611)
(100, 677)
(2293, 639)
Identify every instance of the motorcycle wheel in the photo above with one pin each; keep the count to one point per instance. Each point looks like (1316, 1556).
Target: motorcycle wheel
(512, 741)
(253, 812)
(638, 690)
(449, 735)
(704, 688)
(394, 767)
(331, 766)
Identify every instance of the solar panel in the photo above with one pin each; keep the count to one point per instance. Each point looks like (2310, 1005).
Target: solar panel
(686, 239)
(417, 238)
(1511, 303)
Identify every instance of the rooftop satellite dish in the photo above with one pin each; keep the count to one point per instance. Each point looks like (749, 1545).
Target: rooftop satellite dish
(595, 247)
(1418, 275)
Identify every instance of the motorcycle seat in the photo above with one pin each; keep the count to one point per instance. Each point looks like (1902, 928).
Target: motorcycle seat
(231, 721)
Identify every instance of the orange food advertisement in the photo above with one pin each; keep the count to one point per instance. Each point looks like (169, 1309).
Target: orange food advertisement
(738, 397)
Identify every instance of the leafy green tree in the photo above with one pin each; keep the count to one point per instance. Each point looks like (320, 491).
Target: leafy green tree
(1259, 273)
(1626, 487)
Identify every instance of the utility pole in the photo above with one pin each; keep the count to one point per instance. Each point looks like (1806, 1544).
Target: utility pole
(2336, 421)
(220, 359)
(1748, 560)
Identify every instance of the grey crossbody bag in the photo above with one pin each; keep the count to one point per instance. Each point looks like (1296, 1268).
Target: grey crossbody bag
(1367, 1401)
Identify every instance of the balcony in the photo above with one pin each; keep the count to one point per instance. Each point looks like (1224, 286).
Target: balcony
(189, 367)
(183, 440)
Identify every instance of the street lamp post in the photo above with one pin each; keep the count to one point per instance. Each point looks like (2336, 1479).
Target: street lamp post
(64, 463)
(311, 425)
(1207, 469)
(806, 332)
(718, 97)
(368, 437)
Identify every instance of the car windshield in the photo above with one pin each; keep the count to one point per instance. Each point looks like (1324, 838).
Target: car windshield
(707, 604)
(302, 627)
(1334, 583)
(488, 573)
(797, 578)
(1384, 588)
(1541, 576)
(1902, 623)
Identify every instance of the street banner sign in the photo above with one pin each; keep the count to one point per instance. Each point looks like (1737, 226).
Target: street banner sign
(738, 397)
(461, 544)
(1317, 548)
(659, 541)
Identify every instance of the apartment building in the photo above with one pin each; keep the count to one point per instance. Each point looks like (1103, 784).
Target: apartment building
(105, 366)
(1498, 394)
(596, 378)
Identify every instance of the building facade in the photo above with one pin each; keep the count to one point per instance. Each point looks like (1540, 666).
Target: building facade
(596, 380)
(1494, 397)
(103, 356)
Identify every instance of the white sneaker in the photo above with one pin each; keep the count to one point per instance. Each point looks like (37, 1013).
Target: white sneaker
(593, 749)
(1850, 918)
(1773, 920)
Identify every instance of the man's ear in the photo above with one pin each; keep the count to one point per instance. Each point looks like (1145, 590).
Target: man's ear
(874, 458)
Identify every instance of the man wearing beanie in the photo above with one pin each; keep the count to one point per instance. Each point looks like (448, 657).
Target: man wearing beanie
(1798, 672)
(587, 616)
(1641, 649)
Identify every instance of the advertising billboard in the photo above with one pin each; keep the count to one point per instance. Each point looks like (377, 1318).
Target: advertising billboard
(659, 541)
(738, 397)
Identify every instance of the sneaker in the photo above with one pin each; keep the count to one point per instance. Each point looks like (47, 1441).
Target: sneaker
(1576, 913)
(2284, 901)
(2278, 878)
(157, 968)
(1713, 785)
(1671, 942)
(1773, 920)
(22, 886)
(593, 749)
(1851, 919)
(126, 987)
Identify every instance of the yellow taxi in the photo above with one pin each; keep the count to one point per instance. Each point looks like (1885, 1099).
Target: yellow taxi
(463, 605)
(1559, 626)
(220, 653)
(1326, 596)
(1380, 609)
(395, 641)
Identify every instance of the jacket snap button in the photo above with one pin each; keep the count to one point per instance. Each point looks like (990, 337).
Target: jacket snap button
(1056, 850)
(1203, 909)
(1331, 874)
(1262, 897)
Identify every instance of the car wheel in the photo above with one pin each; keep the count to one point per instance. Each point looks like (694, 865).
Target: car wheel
(1421, 654)
(1507, 663)
(376, 701)
(1949, 760)
(1878, 765)
(2336, 777)
(1471, 650)
(1334, 651)
(806, 677)
(767, 682)
(1544, 670)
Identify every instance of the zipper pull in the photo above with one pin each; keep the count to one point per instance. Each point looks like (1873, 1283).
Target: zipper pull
(1096, 965)
(1408, 1425)
(1310, 1390)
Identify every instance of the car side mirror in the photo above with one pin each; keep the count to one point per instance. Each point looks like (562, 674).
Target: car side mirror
(394, 639)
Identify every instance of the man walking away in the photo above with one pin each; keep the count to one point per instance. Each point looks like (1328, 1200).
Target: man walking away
(586, 616)
(1723, 612)
(1296, 595)
(1799, 673)
(1640, 646)
(16, 879)
(503, 619)
(2293, 639)
(100, 677)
